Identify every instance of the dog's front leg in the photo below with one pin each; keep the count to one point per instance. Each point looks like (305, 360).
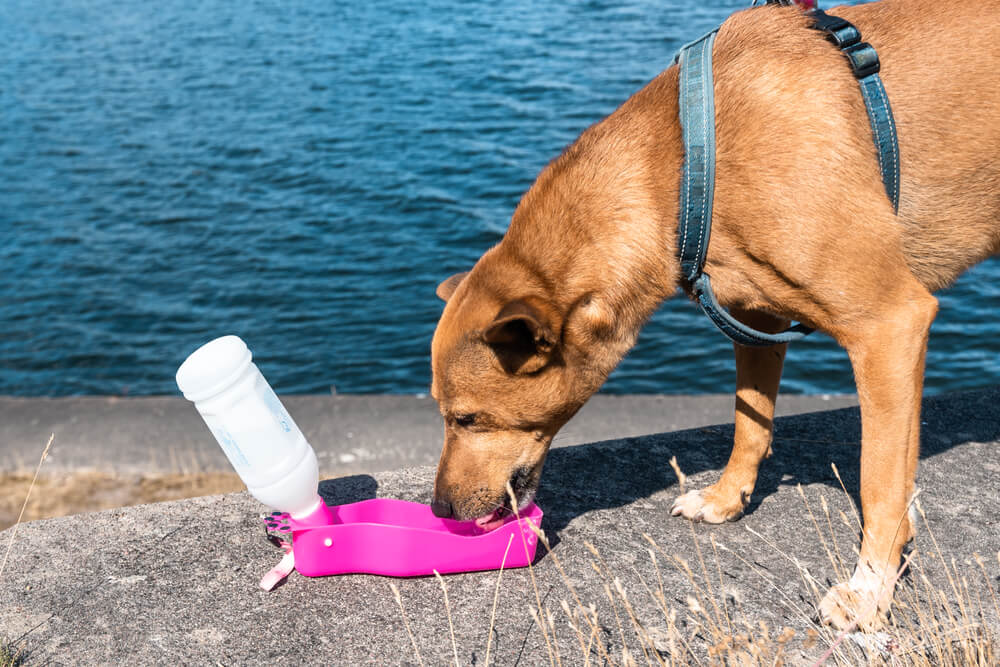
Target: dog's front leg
(758, 373)
(887, 354)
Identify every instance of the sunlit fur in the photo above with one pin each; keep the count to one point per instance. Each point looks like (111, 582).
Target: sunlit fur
(802, 230)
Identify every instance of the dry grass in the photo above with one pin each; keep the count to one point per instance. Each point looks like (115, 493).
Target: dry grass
(12, 652)
(11, 655)
(928, 626)
(89, 491)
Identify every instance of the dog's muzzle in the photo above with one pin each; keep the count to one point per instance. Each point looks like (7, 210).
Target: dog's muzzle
(442, 509)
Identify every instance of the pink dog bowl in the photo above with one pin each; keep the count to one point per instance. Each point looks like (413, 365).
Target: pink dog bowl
(403, 539)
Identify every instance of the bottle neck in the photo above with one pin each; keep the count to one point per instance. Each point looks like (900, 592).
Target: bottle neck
(317, 515)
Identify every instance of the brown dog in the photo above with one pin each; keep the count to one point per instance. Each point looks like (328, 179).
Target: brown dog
(802, 230)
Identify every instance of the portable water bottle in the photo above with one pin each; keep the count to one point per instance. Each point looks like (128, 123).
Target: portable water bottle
(259, 437)
(379, 535)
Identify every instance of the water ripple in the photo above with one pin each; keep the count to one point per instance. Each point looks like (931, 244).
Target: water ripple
(304, 174)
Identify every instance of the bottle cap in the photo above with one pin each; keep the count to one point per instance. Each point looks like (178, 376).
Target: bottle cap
(212, 367)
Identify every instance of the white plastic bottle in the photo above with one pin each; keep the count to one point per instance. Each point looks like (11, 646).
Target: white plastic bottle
(259, 437)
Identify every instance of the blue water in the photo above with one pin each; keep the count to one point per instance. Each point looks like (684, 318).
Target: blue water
(303, 174)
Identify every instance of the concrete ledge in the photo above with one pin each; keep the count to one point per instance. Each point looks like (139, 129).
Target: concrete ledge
(177, 582)
(351, 434)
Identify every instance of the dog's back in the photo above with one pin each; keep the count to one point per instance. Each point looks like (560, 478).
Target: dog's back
(801, 229)
(783, 94)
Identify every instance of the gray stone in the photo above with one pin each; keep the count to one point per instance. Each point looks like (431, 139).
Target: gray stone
(177, 582)
(351, 434)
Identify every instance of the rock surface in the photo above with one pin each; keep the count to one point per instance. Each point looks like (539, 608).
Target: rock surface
(351, 434)
(177, 582)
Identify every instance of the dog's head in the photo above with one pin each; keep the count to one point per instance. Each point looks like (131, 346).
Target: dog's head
(534, 329)
(502, 383)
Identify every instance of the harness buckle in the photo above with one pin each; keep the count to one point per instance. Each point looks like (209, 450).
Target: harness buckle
(863, 58)
(840, 31)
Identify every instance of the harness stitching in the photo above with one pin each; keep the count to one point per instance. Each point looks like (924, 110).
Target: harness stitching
(895, 144)
(706, 61)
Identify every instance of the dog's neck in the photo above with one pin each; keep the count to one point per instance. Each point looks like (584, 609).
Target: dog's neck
(596, 234)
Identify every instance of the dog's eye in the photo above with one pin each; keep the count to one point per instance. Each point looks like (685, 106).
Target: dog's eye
(465, 420)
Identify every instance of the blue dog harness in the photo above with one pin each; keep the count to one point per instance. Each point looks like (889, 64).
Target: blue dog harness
(697, 115)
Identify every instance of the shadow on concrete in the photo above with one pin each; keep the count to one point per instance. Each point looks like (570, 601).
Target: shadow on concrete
(611, 474)
(349, 489)
(581, 479)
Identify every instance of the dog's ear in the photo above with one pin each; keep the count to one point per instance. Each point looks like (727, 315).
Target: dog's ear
(448, 287)
(523, 335)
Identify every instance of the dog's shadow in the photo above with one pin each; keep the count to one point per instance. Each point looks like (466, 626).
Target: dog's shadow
(585, 478)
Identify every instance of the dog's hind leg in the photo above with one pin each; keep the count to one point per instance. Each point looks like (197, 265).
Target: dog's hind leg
(887, 351)
(758, 373)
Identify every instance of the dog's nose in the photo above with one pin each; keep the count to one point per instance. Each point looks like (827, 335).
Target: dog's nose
(441, 508)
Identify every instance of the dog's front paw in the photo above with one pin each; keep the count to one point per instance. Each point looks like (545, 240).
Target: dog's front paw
(711, 505)
(863, 601)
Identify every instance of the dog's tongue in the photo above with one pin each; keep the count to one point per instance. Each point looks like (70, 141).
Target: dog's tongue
(491, 521)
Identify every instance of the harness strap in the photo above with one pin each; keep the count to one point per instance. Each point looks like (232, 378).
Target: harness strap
(697, 111)
(865, 65)
(697, 116)
(736, 330)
